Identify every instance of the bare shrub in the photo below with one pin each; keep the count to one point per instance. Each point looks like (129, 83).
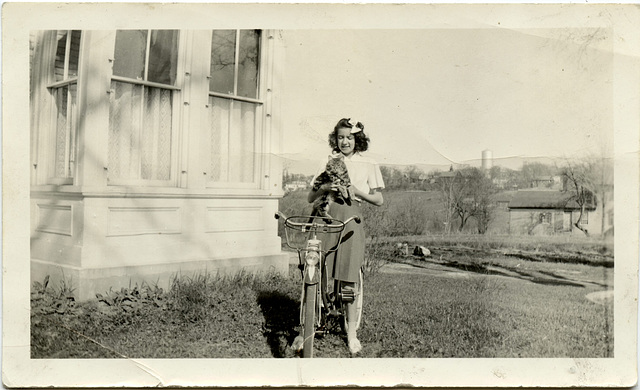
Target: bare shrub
(409, 217)
(375, 257)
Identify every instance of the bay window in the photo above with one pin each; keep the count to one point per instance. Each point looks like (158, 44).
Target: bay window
(142, 99)
(163, 108)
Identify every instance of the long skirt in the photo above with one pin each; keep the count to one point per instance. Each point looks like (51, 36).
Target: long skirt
(346, 262)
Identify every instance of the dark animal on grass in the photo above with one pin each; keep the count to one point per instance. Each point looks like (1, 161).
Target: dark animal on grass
(421, 251)
(335, 173)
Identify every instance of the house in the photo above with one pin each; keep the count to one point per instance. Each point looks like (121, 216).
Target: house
(296, 185)
(607, 209)
(501, 199)
(550, 212)
(150, 155)
(447, 177)
(553, 182)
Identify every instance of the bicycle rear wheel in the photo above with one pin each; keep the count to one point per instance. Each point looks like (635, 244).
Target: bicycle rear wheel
(308, 320)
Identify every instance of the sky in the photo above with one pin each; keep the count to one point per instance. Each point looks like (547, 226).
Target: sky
(442, 96)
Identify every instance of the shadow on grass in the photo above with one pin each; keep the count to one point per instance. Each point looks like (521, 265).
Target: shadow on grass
(556, 276)
(538, 277)
(551, 280)
(281, 315)
(607, 263)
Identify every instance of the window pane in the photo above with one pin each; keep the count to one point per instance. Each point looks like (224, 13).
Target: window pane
(232, 132)
(130, 53)
(248, 58)
(219, 138)
(163, 56)
(223, 48)
(139, 132)
(125, 121)
(241, 142)
(73, 126)
(155, 140)
(62, 133)
(74, 53)
(61, 49)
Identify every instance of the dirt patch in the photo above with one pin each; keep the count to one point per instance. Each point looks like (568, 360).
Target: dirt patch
(427, 269)
(601, 297)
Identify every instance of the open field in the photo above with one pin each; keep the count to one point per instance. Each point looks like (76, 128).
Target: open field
(459, 302)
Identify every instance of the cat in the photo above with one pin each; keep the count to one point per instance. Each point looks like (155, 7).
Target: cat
(335, 173)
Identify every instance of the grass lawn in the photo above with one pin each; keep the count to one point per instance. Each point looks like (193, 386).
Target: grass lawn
(484, 316)
(453, 306)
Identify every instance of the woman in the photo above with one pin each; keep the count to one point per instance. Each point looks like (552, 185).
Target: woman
(349, 140)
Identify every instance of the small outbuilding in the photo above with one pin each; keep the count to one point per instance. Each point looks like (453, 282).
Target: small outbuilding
(550, 212)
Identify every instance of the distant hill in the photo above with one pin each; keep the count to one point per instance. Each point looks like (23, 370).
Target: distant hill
(307, 166)
(516, 162)
(300, 164)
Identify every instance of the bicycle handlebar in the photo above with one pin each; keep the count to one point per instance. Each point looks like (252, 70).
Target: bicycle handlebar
(303, 225)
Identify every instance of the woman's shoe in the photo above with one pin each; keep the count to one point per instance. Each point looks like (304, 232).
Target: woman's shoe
(297, 344)
(354, 346)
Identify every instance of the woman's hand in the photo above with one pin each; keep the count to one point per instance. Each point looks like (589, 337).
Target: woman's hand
(375, 197)
(324, 188)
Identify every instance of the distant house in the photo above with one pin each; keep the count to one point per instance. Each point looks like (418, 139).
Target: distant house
(546, 182)
(296, 185)
(607, 223)
(448, 176)
(500, 183)
(550, 212)
(502, 199)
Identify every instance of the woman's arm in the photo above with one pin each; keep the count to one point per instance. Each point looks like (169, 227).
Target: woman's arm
(375, 197)
(313, 195)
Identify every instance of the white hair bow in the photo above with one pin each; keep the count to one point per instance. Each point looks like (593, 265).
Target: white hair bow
(355, 128)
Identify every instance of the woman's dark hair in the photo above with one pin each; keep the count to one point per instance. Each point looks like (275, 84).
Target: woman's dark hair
(361, 139)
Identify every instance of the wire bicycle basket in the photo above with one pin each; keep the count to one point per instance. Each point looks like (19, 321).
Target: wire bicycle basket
(308, 225)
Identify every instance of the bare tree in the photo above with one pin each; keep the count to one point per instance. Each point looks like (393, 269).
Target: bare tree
(466, 194)
(484, 207)
(533, 170)
(473, 199)
(448, 184)
(412, 173)
(579, 179)
(463, 205)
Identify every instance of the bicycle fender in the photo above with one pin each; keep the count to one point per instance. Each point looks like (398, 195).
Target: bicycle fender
(312, 275)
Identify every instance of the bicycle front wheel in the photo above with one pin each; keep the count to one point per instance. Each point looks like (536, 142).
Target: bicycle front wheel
(308, 320)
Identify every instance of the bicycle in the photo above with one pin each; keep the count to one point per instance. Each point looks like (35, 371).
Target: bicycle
(318, 306)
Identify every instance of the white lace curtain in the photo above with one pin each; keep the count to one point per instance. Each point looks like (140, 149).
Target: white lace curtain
(232, 140)
(139, 132)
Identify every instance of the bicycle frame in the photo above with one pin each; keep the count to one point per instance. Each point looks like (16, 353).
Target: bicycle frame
(311, 258)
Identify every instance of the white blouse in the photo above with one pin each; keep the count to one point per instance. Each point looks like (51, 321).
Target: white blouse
(364, 172)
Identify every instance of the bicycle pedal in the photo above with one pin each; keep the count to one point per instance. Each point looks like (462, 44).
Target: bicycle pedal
(347, 296)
